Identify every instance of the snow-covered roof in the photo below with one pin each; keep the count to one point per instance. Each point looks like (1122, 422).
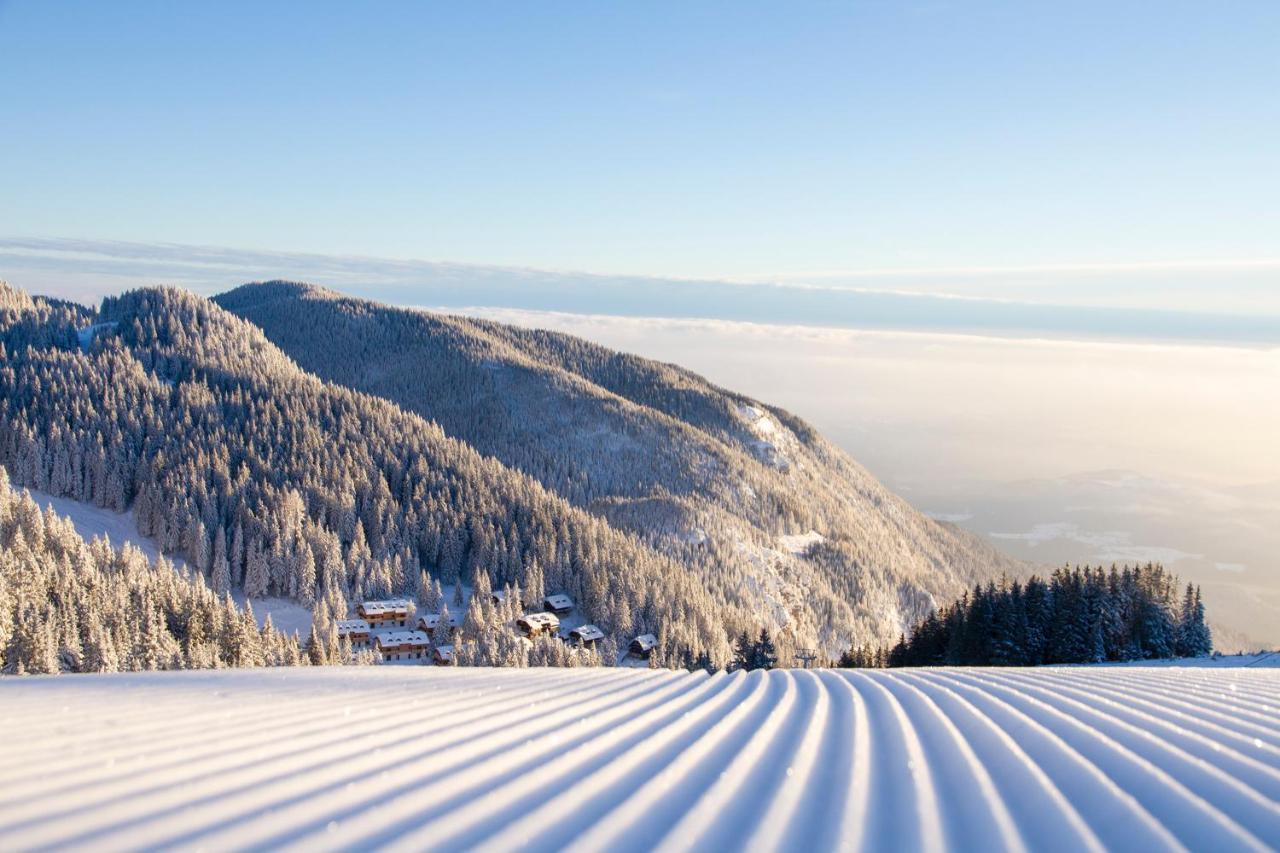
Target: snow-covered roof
(352, 626)
(645, 641)
(399, 639)
(559, 601)
(540, 620)
(444, 652)
(589, 633)
(382, 608)
(431, 620)
(499, 595)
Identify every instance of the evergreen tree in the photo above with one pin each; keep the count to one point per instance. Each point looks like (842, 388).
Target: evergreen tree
(220, 574)
(315, 649)
(744, 653)
(763, 654)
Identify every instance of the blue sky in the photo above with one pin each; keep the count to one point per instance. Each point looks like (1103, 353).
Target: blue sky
(707, 140)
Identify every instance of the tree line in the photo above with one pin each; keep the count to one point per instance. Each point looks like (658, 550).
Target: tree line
(1078, 615)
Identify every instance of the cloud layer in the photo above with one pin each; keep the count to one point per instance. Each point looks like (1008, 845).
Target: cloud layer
(89, 269)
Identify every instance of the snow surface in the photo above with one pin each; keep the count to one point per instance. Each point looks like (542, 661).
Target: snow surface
(85, 334)
(613, 759)
(772, 439)
(91, 521)
(800, 543)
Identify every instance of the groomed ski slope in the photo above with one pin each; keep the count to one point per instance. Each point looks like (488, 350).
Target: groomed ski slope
(412, 758)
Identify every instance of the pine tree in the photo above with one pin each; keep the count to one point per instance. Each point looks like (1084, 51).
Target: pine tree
(428, 602)
(305, 578)
(442, 635)
(764, 655)
(1194, 639)
(609, 651)
(534, 585)
(236, 556)
(220, 574)
(257, 574)
(743, 653)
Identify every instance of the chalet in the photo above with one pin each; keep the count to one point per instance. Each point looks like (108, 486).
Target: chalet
(393, 613)
(538, 624)
(443, 656)
(586, 636)
(643, 646)
(355, 631)
(402, 645)
(428, 621)
(559, 604)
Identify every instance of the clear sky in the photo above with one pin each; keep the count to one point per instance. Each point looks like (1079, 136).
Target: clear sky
(685, 139)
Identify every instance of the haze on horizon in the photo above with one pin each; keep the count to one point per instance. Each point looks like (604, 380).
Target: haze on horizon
(1020, 262)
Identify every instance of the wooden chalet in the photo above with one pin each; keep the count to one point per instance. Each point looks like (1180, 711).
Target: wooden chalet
(559, 604)
(538, 624)
(355, 631)
(402, 645)
(643, 646)
(586, 636)
(392, 613)
(443, 656)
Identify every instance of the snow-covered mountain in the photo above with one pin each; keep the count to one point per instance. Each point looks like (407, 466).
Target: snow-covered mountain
(316, 443)
(721, 482)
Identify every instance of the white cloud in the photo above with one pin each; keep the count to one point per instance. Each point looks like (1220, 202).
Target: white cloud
(952, 517)
(1108, 546)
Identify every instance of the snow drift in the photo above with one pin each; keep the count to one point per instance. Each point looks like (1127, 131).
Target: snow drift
(406, 758)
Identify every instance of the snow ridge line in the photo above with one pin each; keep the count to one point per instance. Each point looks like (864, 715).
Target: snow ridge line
(1186, 814)
(398, 758)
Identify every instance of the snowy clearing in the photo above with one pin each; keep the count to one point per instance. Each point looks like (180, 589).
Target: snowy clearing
(801, 543)
(607, 759)
(120, 527)
(92, 521)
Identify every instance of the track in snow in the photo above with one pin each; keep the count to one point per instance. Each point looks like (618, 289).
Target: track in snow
(407, 758)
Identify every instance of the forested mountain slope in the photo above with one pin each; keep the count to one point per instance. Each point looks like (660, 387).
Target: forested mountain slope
(73, 606)
(724, 484)
(264, 477)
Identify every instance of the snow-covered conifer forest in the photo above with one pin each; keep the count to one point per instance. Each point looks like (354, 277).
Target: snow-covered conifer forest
(1088, 615)
(285, 441)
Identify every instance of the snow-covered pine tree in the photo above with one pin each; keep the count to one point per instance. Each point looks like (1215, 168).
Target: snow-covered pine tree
(315, 649)
(427, 601)
(220, 573)
(257, 573)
